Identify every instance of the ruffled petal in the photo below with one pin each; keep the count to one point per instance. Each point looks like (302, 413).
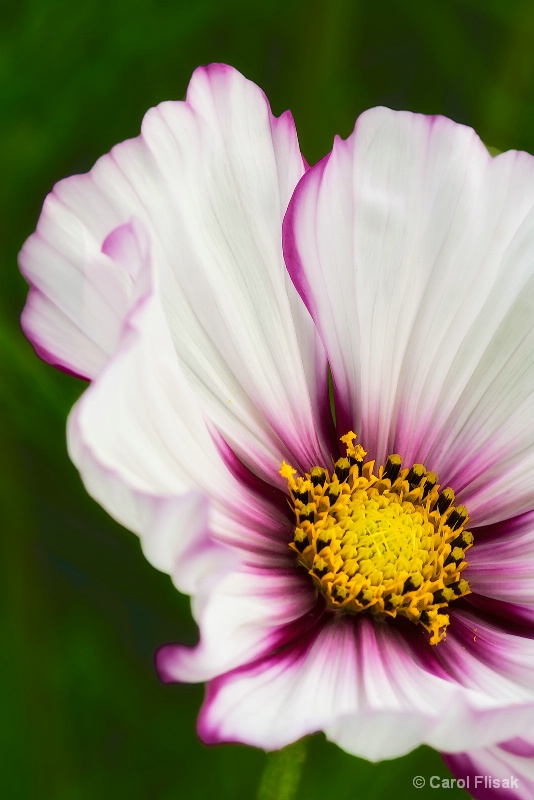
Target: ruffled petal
(503, 772)
(414, 252)
(209, 179)
(146, 452)
(365, 686)
(249, 612)
(98, 295)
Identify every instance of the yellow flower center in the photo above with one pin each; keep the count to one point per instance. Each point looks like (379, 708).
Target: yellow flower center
(387, 544)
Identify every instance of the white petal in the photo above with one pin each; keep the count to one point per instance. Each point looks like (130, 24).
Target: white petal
(209, 179)
(365, 687)
(244, 615)
(146, 487)
(414, 251)
(144, 452)
(97, 289)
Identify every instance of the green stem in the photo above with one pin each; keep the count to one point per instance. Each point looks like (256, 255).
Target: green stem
(280, 779)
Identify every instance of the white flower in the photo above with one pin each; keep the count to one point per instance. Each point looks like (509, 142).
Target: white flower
(160, 277)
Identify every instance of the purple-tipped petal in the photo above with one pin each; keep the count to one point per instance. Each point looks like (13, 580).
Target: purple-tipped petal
(366, 687)
(209, 180)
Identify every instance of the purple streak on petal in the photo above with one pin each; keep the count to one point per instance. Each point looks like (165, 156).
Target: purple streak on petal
(50, 358)
(422, 651)
(265, 515)
(289, 633)
(500, 562)
(345, 418)
(410, 441)
(291, 655)
(518, 747)
(462, 766)
(479, 465)
(511, 580)
(39, 348)
(515, 526)
(259, 487)
(276, 636)
(487, 641)
(325, 423)
(415, 447)
(514, 618)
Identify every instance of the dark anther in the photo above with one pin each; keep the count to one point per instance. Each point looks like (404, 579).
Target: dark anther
(318, 476)
(302, 496)
(353, 461)
(455, 587)
(461, 541)
(452, 560)
(445, 499)
(320, 544)
(388, 605)
(415, 475)
(409, 586)
(342, 469)
(306, 513)
(320, 572)
(301, 545)
(439, 597)
(425, 619)
(333, 493)
(430, 481)
(457, 518)
(392, 468)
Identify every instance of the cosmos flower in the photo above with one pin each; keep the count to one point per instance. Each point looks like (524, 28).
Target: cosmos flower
(372, 576)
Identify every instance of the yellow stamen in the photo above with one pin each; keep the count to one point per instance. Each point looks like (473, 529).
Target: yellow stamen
(387, 544)
(287, 472)
(356, 451)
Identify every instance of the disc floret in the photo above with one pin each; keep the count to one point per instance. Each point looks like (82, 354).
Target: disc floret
(385, 542)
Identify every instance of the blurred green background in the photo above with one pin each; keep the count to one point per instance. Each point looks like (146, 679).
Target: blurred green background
(83, 713)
